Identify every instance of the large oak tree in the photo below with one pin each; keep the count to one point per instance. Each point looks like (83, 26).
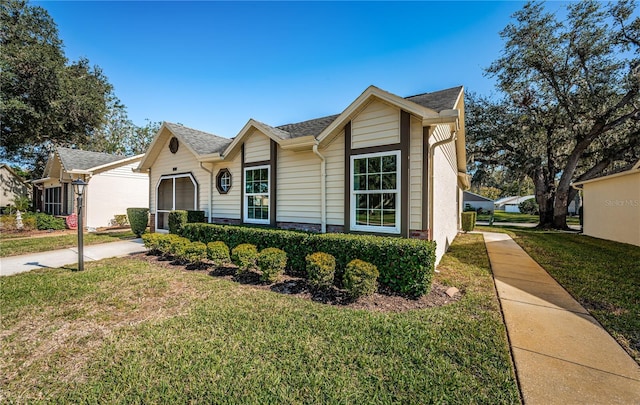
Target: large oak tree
(45, 99)
(570, 105)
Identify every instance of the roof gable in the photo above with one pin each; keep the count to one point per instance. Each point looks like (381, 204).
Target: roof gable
(76, 159)
(438, 100)
(469, 196)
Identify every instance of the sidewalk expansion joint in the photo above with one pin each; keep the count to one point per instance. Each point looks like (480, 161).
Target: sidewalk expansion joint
(549, 307)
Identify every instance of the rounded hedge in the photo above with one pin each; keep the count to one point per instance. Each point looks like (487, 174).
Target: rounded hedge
(244, 256)
(272, 262)
(360, 278)
(138, 219)
(218, 253)
(321, 268)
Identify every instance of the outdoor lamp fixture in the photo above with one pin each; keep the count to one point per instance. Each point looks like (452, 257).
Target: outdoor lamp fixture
(79, 187)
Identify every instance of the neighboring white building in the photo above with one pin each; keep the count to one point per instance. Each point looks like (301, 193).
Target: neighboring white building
(113, 186)
(476, 201)
(612, 206)
(12, 186)
(511, 204)
(386, 165)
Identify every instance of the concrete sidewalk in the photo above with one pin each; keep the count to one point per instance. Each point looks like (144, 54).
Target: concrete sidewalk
(59, 258)
(562, 355)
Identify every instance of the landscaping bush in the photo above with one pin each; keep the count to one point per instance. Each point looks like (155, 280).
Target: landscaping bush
(360, 278)
(29, 223)
(468, 220)
(272, 262)
(321, 268)
(165, 242)
(45, 222)
(138, 218)
(218, 253)
(529, 206)
(8, 222)
(406, 266)
(192, 252)
(120, 220)
(195, 216)
(177, 220)
(152, 242)
(244, 256)
(177, 247)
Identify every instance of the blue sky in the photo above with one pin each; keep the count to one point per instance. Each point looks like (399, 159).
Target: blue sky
(214, 65)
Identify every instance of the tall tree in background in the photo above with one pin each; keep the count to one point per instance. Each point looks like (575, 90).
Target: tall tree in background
(571, 99)
(44, 100)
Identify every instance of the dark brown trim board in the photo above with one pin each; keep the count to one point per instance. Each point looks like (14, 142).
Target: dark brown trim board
(405, 139)
(347, 177)
(273, 197)
(425, 179)
(242, 183)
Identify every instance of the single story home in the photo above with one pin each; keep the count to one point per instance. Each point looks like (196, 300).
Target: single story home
(612, 206)
(12, 186)
(512, 203)
(112, 187)
(385, 165)
(476, 201)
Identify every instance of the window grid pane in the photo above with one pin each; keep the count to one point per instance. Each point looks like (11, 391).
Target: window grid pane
(375, 190)
(257, 194)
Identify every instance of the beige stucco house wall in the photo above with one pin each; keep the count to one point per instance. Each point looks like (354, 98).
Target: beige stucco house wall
(612, 206)
(386, 165)
(11, 186)
(113, 186)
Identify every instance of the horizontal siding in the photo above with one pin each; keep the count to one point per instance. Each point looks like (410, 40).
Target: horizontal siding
(378, 124)
(334, 155)
(182, 161)
(125, 171)
(228, 205)
(298, 193)
(415, 175)
(256, 147)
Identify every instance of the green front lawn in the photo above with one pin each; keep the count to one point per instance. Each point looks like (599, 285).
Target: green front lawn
(604, 276)
(129, 331)
(13, 247)
(519, 218)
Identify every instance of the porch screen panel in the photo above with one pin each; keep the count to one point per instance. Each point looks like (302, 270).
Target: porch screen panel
(165, 195)
(185, 194)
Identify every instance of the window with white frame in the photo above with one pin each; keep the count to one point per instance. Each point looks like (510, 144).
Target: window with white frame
(177, 192)
(375, 192)
(256, 195)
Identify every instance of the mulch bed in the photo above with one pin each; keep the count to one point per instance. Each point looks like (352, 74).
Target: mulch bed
(382, 301)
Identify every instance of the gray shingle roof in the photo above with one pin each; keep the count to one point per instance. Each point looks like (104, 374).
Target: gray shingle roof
(75, 159)
(311, 127)
(438, 100)
(468, 196)
(203, 143)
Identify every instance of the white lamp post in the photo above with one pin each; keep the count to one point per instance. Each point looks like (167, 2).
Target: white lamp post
(79, 187)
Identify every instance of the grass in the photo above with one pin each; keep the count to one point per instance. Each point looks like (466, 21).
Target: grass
(519, 218)
(13, 247)
(127, 331)
(604, 276)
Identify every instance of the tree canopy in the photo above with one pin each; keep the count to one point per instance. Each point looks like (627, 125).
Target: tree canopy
(569, 105)
(45, 99)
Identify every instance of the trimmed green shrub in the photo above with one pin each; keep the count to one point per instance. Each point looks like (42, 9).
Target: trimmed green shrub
(192, 252)
(218, 253)
(360, 278)
(177, 246)
(120, 220)
(8, 222)
(529, 206)
(272, 262)
(177, 220)
(138, 219)
(152, 241)
(406, 266)
(164, 242)
(195, 216)
(468, 220)
(45, 222)
(244, 256)
(29, 223)
(321, 268)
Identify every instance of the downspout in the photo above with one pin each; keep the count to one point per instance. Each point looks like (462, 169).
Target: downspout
(323, 190)
(210, 189)
(452, 138)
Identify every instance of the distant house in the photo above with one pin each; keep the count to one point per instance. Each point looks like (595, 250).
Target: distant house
(476, 201)
(511, 204)
(12, 186)
(385, 165)
(612, 206)
(112, 185)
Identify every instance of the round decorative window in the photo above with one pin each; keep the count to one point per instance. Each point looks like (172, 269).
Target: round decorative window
(223, 181)
(173, 145)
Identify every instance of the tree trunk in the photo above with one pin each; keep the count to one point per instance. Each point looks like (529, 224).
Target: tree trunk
(544, 190)
(560, 209)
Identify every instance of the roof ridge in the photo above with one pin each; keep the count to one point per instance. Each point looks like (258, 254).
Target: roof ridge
(434, 92)
(194, 129)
